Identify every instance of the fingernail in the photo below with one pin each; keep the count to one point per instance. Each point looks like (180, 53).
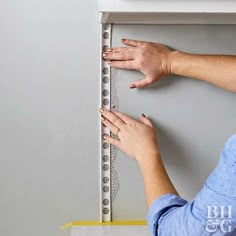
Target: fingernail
(132, 86)
(105, 54)
(123, 39)
(143, 115)
(104, 136)
(109, 50)
(102, 118)
(109, 62)
(101, 110)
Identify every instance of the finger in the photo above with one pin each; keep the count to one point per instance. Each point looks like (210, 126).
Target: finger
(146, 121)
(115, 130)
(127, 119)
(121, 49)
(131, 42)
(111, 140)
(114, 119)
(130, 65)
(119, 56)
(141, 83)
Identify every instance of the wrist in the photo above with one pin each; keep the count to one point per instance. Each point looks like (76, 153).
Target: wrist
(175, 62)
(148, 158)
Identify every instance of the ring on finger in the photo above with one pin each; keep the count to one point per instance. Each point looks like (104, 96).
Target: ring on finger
(117, 132)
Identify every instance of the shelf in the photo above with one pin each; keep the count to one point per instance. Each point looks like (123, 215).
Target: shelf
(167, 12)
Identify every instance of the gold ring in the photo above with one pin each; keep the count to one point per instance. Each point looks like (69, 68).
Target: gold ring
(118, 130)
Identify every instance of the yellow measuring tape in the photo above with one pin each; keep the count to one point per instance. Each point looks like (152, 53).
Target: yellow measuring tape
(98, 223)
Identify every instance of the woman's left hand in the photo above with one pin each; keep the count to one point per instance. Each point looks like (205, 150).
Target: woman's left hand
(137, 139)
(152, 59)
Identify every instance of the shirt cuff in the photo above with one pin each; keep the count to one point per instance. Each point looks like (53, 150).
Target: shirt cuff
(160, 206)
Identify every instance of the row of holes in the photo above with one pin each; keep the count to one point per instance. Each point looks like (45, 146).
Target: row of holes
(106, 102)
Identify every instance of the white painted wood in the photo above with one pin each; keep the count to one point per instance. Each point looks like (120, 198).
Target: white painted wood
(110, 231)
(227, 6)
(105, 17)
(168, 18)
(105, 167)
(168, 12)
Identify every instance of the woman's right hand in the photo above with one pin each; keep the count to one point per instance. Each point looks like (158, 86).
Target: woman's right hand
(138, 139)
(152, 59)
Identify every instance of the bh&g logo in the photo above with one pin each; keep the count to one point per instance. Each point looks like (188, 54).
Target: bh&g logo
(219, 217)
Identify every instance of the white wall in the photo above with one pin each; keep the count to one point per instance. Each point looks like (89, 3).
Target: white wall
(49, 95)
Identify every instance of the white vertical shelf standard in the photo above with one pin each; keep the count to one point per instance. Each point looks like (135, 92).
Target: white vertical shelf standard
(105, 158)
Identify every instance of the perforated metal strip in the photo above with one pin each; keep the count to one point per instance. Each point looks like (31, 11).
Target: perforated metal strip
(105, 195)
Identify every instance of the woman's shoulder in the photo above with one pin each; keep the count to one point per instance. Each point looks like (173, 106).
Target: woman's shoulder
(231, 143)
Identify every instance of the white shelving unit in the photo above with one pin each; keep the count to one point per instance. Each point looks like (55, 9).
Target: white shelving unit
(168, 12)
(110, 230)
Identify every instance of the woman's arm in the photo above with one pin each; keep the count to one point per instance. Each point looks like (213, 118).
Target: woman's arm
(156, 61)
(168, 213)
(156, 179)
(171, 215)
(219, 70)
(139, 141)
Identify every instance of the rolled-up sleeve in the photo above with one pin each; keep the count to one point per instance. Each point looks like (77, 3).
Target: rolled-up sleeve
(160, 207)
(170, 215)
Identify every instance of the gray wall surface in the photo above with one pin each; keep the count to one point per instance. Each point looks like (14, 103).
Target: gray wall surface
(49, 95)
(193, 118)
(49, 98)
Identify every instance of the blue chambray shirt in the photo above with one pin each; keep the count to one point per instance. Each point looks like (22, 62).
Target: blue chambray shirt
(170, 215)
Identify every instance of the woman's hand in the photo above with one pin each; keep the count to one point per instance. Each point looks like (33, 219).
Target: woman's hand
(152, 59)
(137, 139)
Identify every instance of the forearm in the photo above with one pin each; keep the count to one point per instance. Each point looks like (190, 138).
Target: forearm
(156, 179)
(219, 70)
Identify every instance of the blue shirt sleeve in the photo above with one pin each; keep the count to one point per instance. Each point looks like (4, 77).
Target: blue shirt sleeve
(160, 207)
(171, 215)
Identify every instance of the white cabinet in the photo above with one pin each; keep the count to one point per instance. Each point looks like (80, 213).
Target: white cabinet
(110, 231)
(168, 12)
